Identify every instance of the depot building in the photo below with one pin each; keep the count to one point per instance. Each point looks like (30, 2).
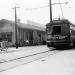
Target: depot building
(29, 31)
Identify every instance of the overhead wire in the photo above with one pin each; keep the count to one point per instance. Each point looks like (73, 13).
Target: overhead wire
(69, 3)
(37, 8)
(61, 9)
(44, 6)
(30, 9)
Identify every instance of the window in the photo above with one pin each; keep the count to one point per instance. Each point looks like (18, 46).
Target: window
(9, 37)
(56, 30)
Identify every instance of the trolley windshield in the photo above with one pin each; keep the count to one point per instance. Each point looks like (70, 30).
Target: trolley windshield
(56, 30)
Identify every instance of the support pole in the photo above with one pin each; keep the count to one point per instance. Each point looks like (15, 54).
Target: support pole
(16, 40)
(16, 29)
(50, 10)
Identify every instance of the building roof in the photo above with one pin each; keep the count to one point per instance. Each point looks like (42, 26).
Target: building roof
(26, 26)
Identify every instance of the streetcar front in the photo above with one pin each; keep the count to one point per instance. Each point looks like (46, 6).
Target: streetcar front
(58, 34)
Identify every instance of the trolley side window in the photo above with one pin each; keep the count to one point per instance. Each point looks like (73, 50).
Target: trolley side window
(48, 30)
(56, 30)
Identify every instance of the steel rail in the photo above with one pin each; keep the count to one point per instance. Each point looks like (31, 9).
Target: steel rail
(29, 56)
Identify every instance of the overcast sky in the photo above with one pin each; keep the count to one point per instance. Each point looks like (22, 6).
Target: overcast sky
(40, 15)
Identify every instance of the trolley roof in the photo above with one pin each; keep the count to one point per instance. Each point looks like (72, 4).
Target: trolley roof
(59, 22)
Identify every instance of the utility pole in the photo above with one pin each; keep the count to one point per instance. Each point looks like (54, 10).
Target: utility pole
(16, 40)
(50, 10)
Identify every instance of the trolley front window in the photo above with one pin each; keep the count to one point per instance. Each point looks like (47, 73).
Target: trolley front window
(56, 30)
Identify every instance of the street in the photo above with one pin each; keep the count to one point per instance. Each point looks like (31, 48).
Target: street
(50, 63)
(23, 55)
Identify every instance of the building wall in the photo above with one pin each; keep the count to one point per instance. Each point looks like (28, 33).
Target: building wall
(34, 36)
(23, 34)
(7, 31)
(13, 33)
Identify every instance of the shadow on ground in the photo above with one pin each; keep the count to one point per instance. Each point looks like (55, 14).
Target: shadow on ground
(63, 48)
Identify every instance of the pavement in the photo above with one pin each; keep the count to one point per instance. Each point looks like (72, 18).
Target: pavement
(61, 63)
(13, 53)
(15, 57)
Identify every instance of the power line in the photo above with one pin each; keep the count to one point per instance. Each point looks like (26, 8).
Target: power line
(45, 6)
(37, 8)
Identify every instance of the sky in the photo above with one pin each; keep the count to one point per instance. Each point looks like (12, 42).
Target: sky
(41, 15)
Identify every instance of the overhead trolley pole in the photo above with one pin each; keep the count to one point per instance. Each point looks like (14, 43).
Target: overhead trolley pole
(50, 6)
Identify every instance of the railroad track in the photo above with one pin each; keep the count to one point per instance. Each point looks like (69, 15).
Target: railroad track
(7, 64)
(51, 52)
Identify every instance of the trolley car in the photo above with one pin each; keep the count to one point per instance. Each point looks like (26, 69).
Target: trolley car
(58, 33)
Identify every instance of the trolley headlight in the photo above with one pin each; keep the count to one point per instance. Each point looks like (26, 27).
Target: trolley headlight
(49, 37)
(57, 37)
(47, 41)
